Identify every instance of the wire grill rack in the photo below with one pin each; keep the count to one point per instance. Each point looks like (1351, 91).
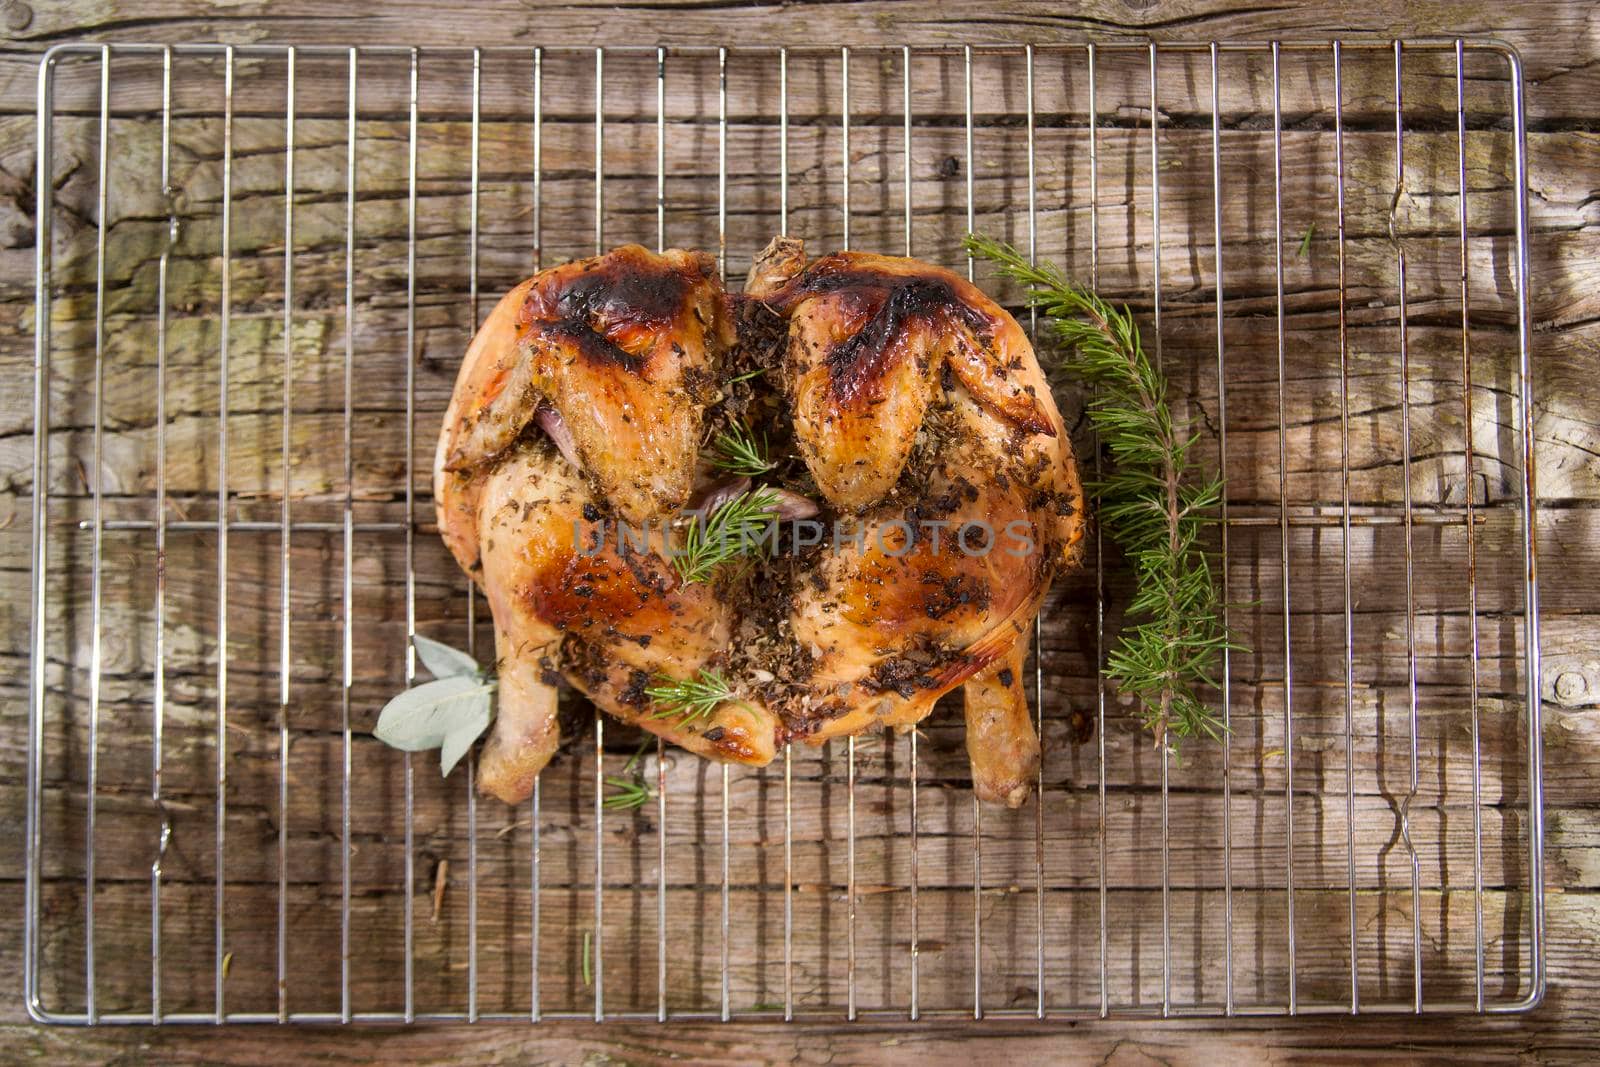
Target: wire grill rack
(257, 267)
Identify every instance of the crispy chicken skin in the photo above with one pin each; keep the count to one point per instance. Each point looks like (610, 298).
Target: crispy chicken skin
(869, 337)
(919, 406)
(622, 350)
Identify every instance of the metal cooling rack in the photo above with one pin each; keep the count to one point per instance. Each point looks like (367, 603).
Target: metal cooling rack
(594, 913)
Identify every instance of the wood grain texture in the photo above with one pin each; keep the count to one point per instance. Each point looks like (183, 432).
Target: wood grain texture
(1559, 45)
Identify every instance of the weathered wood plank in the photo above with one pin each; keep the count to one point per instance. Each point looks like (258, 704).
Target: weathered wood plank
(815, 83)
(1313, 413)
(1551, 33)
(256, 341)
(380, 574)
(1427, 216)
(1553, 1034)
(755, 971)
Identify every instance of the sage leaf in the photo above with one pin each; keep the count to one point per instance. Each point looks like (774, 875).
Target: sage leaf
(422, 717)
(443, 661)
(464, 730)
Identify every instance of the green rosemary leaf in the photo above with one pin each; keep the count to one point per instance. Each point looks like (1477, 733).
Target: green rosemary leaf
(638, 753)
(629, 793)
(690, 698)
(747, 375)
(737, 451)
(734, 528)
(1152, 503)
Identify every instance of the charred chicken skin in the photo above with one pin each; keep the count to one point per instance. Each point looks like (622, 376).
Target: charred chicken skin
(900, 400)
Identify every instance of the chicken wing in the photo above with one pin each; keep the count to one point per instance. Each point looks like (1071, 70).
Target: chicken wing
(621, 349)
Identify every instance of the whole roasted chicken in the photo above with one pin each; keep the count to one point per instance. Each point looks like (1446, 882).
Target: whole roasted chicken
(918, 494)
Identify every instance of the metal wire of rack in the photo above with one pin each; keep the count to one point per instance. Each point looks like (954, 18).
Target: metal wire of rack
(167, 808)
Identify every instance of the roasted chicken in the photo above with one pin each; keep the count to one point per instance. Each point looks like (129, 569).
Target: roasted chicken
(613, 360)
(911, 433)
(922, 414)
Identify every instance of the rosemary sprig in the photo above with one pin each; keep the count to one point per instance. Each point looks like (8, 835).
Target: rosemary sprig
(737, 451)
(692, 698)
(733, 528)
(638, 754)
(630, 793)
(1305, 242)
(1153, 504)
(747, 375)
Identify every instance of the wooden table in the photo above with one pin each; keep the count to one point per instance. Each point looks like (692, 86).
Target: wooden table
(1560, 43)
